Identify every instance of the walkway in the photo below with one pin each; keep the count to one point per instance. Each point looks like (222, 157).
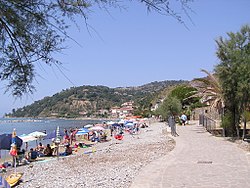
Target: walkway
(199, 160)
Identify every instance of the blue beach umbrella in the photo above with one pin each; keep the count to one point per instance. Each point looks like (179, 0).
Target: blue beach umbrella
(52, 134)
(130, 124)
(4, 183)
(6, 141)
(116, 125)
(82, 131)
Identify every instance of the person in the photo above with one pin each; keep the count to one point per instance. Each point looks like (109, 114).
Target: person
(72, 136)
(32, 155)
(137, 128)
(94, 137)
(183, 119)
(111, 130)
(171, 123)
(68, 151)
(26, 146)
(20, 155)
(13, 153)
(40, 149)
(55, 147)
(48, 151)
(103, 136)
(66, 136)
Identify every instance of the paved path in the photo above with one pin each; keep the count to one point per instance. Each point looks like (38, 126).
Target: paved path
(199, 160)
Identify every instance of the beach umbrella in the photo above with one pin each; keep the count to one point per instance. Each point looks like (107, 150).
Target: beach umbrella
(37, 134)
(57, 141)
(110, 122)
(27, 138)
(52, 134)
(130, 124)
(88, 126)
(58, 136)
(6, 141)
(82, 131)
(96, 128)
(116, 125)
(4, 183)
(122, 121)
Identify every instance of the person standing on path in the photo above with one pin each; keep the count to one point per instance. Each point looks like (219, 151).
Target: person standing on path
(172, 125)
(183, 119)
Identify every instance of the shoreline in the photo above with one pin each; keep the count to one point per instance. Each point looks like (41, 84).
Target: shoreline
(114, 164)
(23, 119)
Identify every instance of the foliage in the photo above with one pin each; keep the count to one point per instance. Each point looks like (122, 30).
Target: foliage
(246, 114)
(226, 124)
(209, 91)
(178, 98)
(170, 106)
(32, 31)
(183, 93)
(89, 99)
(234, 73)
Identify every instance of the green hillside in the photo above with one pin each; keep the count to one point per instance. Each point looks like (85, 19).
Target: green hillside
(87, 101)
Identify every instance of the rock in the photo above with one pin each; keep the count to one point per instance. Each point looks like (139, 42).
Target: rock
(115, 164)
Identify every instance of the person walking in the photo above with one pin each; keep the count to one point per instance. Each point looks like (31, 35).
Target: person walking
(172, 125)
(183, 119)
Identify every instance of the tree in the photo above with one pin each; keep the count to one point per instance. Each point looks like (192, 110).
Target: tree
(183, 93)
(210, 92)
(170, 106)
(234, 74)
(31, 31)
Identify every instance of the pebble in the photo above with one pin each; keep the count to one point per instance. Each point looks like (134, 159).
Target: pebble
(114, 164)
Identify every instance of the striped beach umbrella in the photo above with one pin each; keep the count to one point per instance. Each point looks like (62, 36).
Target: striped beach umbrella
(82, 131)
(58, 136)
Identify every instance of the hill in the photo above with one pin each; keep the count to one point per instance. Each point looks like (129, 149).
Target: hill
(89, 101)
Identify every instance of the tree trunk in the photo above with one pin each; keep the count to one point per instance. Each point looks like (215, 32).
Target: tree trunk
(236, 123)
(237, 130)
(223, 128)
(244, 128)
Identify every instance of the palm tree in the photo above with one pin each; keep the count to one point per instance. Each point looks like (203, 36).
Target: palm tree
(210, 92)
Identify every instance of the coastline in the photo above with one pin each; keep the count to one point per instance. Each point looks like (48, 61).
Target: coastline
(114, 164)
(24, 119)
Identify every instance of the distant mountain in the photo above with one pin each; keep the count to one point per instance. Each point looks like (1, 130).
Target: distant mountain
(87, 101)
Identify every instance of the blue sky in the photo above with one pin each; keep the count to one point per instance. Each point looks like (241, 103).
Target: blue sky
(131, 47)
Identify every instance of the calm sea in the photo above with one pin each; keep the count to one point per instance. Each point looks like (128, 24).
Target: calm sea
(27, 125)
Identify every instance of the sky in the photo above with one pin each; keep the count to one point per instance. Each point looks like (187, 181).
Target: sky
(131, 47)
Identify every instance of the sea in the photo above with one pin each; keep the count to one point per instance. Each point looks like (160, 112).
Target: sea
(29, 125)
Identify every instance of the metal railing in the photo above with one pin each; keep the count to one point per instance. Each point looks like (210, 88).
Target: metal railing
(208, 123)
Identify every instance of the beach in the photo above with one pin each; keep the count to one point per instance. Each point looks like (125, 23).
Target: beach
(111, 164)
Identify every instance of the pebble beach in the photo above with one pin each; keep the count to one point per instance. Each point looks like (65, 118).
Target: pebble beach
(113, 164)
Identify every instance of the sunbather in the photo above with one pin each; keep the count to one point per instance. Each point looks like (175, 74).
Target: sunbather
(32, 155)
(68, 151)
(48, 151)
